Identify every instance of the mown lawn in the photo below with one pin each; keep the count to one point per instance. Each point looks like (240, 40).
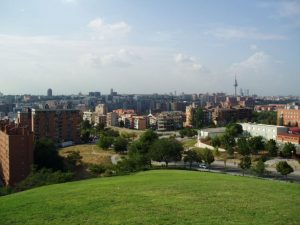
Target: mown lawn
(157, 197)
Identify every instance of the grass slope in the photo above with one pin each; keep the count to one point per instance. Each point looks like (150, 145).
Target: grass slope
(157, 197)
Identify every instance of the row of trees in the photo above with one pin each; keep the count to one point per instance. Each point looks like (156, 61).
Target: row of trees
(249, 145)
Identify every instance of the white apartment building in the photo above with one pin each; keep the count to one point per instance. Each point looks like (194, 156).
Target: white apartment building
(266, 131)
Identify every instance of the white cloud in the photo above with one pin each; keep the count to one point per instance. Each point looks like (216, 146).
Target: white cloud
(243, 33)
(102, 30)
(121, 58)
(254, 63)
(188, 62)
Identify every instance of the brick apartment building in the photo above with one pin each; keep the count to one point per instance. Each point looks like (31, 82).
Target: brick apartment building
(288, 117)
(223, 116)
(170, 120)
(60, 125)
(16, 153)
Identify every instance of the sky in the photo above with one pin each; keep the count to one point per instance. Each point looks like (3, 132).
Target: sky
(149, 46)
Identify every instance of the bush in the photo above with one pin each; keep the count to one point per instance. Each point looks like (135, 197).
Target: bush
(96, 169)
(43, 177)
(284, 168)
(105, 142)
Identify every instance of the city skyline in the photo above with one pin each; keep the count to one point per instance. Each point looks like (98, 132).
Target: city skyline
(149, 47)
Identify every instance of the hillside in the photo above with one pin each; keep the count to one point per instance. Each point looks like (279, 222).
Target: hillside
(157, 197)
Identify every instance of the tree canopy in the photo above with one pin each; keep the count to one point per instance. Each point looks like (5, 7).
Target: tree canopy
(166, 150)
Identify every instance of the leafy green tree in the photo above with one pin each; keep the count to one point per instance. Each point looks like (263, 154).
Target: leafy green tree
(85, 125)
(74, 159)
(207, 156)
(216, 142)
(198, 118)
(110, 133)
(46, 155)
(284, 168)
(264, 117)
(245, 163)
(192, 156)
(271, 147)
(256, 144)
(105, 142)
(288, 150)
(243, 146)
(228, 142)
(148, 137)
(234, 129)
(85, 136)
(166, 150)
(120, 144)
(260, 167)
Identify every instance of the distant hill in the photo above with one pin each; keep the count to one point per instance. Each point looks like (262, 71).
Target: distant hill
(157, 197)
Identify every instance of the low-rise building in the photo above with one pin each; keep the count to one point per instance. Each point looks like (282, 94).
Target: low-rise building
(211, 132)
(287, 137)
(266, 131)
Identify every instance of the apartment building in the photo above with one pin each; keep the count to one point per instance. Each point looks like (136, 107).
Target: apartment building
(223, 116)
(288, 117)
(112, 119)
(170, 120)
(60, 125)
(16, 153)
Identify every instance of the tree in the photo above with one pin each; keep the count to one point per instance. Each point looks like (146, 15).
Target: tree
(198, 118)
(166, 150)
(243, 146)
(256, 144)
(207, 156)
(85, 125)
(74, 159)
(121, 123)
(284, 168)
(120, 144)
(228, 142)
(148, 137)
(245, 163)
(105, 142)
(234, 129)
(46, 155)
(85, 136)
(140, 149)
(260, 167)
(192, 156)
(216, 142)
(288, 150)
(268, 117)
(271, 147)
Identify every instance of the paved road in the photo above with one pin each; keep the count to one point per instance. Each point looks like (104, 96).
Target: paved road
(231, 168)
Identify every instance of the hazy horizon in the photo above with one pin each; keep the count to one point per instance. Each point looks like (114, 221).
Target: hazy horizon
(149, 47)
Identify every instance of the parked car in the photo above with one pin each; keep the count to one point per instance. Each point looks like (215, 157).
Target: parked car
(203, 166)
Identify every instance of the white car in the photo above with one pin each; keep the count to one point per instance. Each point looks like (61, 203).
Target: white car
(203, 166)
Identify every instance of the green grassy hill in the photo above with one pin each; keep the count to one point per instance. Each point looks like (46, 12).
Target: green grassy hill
(157, 197)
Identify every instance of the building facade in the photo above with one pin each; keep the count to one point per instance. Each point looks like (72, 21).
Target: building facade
(112, 119)
(288, 117)
(266, 131)
(16, 153)
(61, 125)
(168, 121)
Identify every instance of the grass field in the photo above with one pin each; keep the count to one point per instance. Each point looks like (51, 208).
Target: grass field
(90, 153)
(157, 197)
